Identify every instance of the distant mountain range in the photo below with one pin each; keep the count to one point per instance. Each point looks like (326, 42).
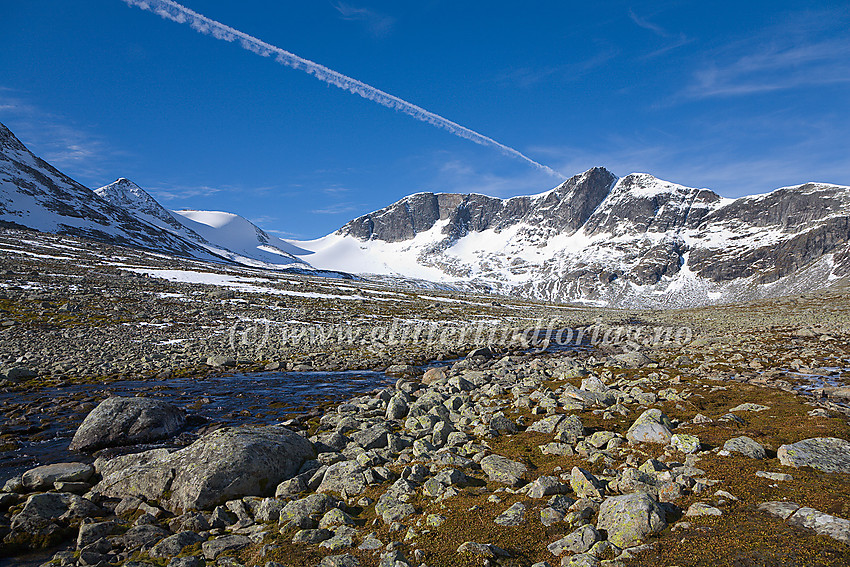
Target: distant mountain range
(634, 241)
(34, 194)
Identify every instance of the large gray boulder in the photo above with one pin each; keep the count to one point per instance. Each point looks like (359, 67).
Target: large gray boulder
(746, 446)
(43, 477)
(224, 465)
(120, 421)
(502, 469)
(630, 517)
(827, 454)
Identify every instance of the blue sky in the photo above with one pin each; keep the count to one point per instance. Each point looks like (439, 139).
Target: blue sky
(738, 97)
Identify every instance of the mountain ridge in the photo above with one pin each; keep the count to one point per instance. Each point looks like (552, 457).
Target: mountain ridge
(631, 241)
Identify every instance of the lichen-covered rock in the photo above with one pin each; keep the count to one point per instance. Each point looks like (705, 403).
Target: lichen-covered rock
(629, 518)
(171, 546)
(546, 486)
(345, 478)
(584, 484)
(303, 513)
(223, 465)
(502, 469)
(652, 426)
(579, 541)
(127, 421)
(746, 446)
(219, 545)
(685, 443)
(827, 454)
(43, 520)
(513, 516)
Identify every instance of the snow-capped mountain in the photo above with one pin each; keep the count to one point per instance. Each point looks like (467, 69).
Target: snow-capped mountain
(226, 235)
(631, 241)
(33, 194)
(635, 241)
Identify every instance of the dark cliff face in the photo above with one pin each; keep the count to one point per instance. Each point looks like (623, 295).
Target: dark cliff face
(564, 209)
(789, 208)
(634, 210)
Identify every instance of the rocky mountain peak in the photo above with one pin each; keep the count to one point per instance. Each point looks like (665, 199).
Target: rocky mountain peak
(128, 196)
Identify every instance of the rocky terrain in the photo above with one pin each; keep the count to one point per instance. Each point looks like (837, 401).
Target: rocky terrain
(729, 446)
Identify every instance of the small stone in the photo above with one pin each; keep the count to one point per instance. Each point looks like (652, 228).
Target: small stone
(584, 484)
(41, 478)
(781, 510)
(219, 545)
(312, 536)
(750, 407)
(775, 476)
(702, 509)
(546, 486)
(485, 550)
(513, 516)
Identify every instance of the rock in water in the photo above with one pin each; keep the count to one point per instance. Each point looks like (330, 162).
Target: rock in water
(127, 421)
(630, 518)
(223, 465)
(826, 454)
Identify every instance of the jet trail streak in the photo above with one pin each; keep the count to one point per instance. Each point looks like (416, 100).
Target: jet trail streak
(181, 14)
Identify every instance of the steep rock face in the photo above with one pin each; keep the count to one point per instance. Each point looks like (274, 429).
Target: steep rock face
(563, 209)
(640, 203)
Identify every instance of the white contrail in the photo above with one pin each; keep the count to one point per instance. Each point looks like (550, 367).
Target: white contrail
(181, 14)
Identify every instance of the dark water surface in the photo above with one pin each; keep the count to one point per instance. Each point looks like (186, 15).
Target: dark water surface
(38, 426)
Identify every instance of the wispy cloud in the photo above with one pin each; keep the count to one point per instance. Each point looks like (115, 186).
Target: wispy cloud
(676, 39)
(807, 50)
(337, 209)
(648, 25)
(529, 76)
(376, 23)
(182, 192)
(780, 65)
(72, 148)
(334, 189)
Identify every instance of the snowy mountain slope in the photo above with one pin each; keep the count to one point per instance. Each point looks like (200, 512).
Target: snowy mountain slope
(635, 241)
(33, 194)
(226, 235)
(240, 236)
